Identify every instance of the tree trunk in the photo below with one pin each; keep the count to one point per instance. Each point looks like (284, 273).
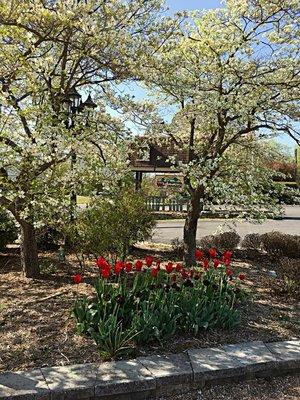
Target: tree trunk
(190, 227)
(29, 251)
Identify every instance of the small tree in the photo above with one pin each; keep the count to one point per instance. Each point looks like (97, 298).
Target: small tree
(110, 225)
(233, 77)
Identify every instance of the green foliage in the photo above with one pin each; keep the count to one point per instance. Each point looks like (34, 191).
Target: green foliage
(157, 318)
(289, 195)
(110, 225)
(47, 267)
(8, 230)
(40, 130)
(84, 313)
(111, 338)
(138, 308)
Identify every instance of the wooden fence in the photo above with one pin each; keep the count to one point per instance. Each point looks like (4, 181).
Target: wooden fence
(157, 203)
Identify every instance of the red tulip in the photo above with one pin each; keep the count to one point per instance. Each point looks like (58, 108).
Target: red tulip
(154, 272)
(149, 261)
(184, 274)
(205, 264)
(216, 263)
(139, 265)
(174, 278)
(226, 261)
(158, 264)
(119, 267)
(105, 272)
(242, 276)
(212, 252)
(169, 268)
(227, 254)
(199, 254)
(229, 272)
(128, 266)
(178, 267)
(77, 279)
(101, 262)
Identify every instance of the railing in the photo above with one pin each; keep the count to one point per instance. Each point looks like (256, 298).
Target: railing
(157, 203)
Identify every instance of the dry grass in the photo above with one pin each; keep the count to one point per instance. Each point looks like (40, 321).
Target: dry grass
(37, 329)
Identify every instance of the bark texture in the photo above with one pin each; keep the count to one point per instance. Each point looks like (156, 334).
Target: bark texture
(191, 223)
(29, 251)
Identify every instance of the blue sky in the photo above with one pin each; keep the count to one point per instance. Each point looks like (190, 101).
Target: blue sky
(176, 5)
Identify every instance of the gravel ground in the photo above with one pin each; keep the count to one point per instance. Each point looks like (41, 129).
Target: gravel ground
(280, 388)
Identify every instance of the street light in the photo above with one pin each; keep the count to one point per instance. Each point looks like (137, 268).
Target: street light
(89, 103)
(75, 98)
(76, 106)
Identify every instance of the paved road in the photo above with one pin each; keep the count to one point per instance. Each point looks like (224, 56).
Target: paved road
(166, 231)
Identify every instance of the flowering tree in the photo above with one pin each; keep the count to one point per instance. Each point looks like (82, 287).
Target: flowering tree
(48, 51)
(232, 78)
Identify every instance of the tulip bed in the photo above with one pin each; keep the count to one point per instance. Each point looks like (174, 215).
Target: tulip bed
(142, 302)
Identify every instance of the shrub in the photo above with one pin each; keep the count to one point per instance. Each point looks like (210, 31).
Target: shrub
(206, 242)
(8, 230)
(146, 302)
(111, 225)
(277, 243)
(222, 241)
(227, 240)
(252, 241)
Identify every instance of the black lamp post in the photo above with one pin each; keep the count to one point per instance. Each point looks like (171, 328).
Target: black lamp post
(76, 106)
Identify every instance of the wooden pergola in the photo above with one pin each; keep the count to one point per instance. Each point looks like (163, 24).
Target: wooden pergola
(153, 157)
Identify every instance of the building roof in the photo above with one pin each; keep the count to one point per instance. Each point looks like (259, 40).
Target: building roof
(149, 155)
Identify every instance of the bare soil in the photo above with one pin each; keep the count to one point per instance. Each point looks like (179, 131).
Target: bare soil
(37, 328)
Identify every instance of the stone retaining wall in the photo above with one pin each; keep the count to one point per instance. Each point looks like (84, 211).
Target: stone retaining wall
(151, 377)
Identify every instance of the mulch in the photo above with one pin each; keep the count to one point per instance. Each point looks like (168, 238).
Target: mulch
(279, 388)
(37, 328)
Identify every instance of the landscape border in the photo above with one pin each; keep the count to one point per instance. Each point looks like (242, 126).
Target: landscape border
(154, 376)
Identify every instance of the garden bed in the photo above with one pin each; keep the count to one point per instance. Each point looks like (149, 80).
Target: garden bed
(37, 328)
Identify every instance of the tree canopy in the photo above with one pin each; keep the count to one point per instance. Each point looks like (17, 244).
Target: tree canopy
(232, 78)
(50, 50)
